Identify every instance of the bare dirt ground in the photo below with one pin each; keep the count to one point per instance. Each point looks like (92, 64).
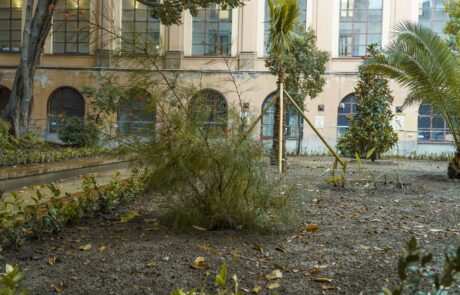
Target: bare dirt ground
(356, 247)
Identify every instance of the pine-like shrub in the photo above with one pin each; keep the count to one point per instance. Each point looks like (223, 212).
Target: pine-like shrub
(371, 128)
(212, 179)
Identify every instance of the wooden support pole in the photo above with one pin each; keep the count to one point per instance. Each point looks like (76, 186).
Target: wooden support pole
(281, 131)
(315, 130)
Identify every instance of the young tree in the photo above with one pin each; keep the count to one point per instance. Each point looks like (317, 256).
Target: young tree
(305, 68)
(36, 29)
(283, 18)
(421, 61)
(370, 129)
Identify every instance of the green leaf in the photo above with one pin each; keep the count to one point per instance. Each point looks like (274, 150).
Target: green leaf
(370, 153)
(358, 159)
(221, 278)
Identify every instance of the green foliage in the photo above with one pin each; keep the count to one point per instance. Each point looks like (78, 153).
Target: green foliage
(170, 11)
(212, 180)
(371, 128)
(452, 28)
(421, 61)
(305, 65)
(418, 278)
(9, 282)
(45, 217)
(76, 132)
(5, 127)
(221, 281)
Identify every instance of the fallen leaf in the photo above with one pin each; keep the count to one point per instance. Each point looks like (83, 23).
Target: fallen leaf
(312, 228)
(53, 260)
(73, 278)
(435, 230)
(256, 289)
(155, 226)
(323, 280)
(199, 228)
(86, 247)
(102, 248)
(59, 288)
(128, 216)
(280, 248)
(208, 247)
(258, 248)
(274, 275)
(273, 285)
(151, 264)
(199, 263)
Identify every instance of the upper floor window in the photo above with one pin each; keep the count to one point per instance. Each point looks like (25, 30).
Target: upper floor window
(360, 26)
(433, 15)
(302, 19)
(212, 31)
(10, 25)
(71, 27)
(140, 31)
(431, 126)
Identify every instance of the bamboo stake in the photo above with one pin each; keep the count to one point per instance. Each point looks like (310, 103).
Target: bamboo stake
(280, 134)
(314, 129)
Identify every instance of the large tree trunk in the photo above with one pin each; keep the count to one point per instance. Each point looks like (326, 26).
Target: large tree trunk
(454, 166)
(36, 29)
(276, 131)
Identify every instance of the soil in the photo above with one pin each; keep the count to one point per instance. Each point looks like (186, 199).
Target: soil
(356, 244)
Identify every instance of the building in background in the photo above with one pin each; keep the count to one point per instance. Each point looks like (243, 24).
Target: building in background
(75, 57)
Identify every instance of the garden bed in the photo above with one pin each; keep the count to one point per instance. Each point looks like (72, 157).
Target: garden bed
(345, 241)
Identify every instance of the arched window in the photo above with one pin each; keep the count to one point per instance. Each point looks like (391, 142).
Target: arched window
(4, 96)
(431, 126)
(347, 109)
(136, 115)
(10, 25)
(71, 27)
(212, 31)
(210, 108)
(64, 102)
(268, 121)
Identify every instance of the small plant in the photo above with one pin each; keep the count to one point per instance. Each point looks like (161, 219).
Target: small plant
(11, 219)
(74, 131)
(9, 282)
(418, 278)
(337, 180)
(221, 281)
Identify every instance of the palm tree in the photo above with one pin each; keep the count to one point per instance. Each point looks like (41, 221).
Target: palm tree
(421, 61)
(283, 18)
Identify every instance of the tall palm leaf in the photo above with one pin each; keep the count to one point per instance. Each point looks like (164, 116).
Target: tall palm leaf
(283, 18)
(421, 61)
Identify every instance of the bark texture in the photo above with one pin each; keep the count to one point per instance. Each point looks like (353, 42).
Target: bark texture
(36, 29)
(276, 131)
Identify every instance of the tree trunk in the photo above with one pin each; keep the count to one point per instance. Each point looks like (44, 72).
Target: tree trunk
(36, 29)
(275, 146)
(453, 170)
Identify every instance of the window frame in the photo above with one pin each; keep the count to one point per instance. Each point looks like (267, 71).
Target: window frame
(139, 104)
(432, 20)
(11, 29)
(348, 114)
(215, 99)
(431, 130)
(79, 30)
(352, 8)
(204, 23)
(53, 128)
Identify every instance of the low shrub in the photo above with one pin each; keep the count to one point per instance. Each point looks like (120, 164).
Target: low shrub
(76, 132)
(41, 218)
(10, 282)
(212, 179)
(416, 277)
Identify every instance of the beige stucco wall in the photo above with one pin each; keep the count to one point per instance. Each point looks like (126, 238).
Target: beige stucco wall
(247, 35)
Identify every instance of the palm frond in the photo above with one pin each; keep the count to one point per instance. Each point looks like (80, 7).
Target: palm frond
(283, 18)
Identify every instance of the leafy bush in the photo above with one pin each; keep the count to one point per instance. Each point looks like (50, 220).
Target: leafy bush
(9, 282)
(42, 218)
(74, 131)
(5, 127)
(417, 278)
(213, 180)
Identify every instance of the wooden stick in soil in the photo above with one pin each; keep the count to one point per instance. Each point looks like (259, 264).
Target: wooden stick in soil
(280, 134)
(315, 130)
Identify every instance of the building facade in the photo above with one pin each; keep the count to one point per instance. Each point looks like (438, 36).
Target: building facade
(76, 56)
